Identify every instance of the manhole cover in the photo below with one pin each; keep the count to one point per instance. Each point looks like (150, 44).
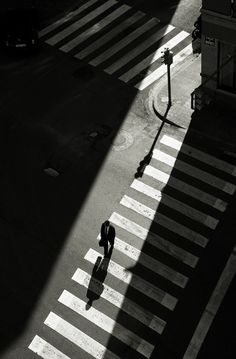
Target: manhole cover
(122, 141)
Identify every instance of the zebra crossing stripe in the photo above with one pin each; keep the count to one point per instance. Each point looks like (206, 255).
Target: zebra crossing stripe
(79, 23)
(171, 142)
(162, 244)
(66, 18)
(120, 301)
(157, 266)
(110, 35)
(195, 172)
(175, 204)
(135, 70)
(160, 219)
(186, 188)
(124, 42)
(77, 337)
(138, 49)
(160, 71)
(106, 323)
(45, 350)
(199, 155)
(127, 277)
(165, 299)
(94, 28)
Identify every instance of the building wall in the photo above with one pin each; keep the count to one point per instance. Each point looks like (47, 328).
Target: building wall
(218, 44)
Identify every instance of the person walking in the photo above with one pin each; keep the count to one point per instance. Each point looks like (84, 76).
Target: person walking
(107, 235)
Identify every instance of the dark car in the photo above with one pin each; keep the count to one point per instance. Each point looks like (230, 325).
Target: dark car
(20, 29)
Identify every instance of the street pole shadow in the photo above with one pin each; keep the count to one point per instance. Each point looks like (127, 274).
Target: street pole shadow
(99, 273)
(147, 159)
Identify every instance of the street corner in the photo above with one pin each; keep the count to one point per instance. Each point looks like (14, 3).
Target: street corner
(172, 98)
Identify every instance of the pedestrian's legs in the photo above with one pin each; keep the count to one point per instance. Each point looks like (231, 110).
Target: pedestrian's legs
(105, 247)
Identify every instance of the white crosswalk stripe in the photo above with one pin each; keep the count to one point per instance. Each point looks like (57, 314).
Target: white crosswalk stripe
(94, 28)
(160, 71)
(195, 172)
(135, 70)
(164, 221)
(110, 35)
(138, 49)
(120, 301)
(45, 350)
(80, 25)
(127, 277)
(124, 42)
(175, 204)
(106, 323)
(157, 266)
(77, 337)
(130, 248)
(199, 155)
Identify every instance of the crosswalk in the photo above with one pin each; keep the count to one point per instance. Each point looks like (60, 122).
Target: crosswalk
(118, 39)
(163, 223)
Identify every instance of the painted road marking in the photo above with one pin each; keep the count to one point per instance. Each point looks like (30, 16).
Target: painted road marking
(94, 28)
(127, 277)
(135, 254)
(199, 155)
(77, 337)
(195, 172)
(160, 219)
(106, 323)
(110, 35)
(66, 18)
(177, 205)
(138, 49)
(154, 56)
(124, 42)
(45, 350)
(79, 23)
(120, 301)
(160, 71)
(186, 188)
(158, 267)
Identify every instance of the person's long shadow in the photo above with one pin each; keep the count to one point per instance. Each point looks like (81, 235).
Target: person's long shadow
(99, 273)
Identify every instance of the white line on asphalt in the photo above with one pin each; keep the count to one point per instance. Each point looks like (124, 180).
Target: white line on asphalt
(155, 55)
(135, 254)
(212, 308)
(110, 35)
(160, 71)
(195, 172)
(177, 205)
(171, 249)
(106, 323)
(131, 54)
(79, 23)
(119, 300)
(160, 219)
(186, 188)
(199, 155)
(127, 277)
(94, 28)
(45, 350)
(66, 18)
(125, 41)
(157, 266)
(77, 337)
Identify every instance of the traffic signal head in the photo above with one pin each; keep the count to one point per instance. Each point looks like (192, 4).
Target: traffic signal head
(167, 57)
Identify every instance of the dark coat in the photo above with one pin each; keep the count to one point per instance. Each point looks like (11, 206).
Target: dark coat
(111, 233)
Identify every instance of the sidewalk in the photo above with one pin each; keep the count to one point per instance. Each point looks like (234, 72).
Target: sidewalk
(214, 122)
